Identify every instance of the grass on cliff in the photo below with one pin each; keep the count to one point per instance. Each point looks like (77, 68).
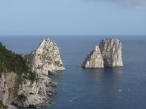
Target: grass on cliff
(12, 62)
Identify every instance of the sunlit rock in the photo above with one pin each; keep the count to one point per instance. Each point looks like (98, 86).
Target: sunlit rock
(94, 59)
(107, 54)
(46, 58)
(111, 50)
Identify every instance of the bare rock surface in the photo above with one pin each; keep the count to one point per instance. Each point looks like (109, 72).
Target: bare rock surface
(38, 92)
(46, 58)
(111, 50)
(25, 93)
(107, 54)
(94, 59)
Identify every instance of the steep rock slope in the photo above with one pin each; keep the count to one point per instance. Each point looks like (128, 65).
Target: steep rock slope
(111, 50)
(46, 58)
(94, 59)
(25, 83)
(108, 54)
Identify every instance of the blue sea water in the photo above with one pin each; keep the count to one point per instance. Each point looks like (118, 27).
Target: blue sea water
(109, 88)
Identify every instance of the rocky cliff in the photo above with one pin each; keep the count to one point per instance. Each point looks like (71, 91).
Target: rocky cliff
(26, 83)
(36, 93)
(7, 87)
(46, 58)
(24, 92)
(94, 59)
(111, 50)
(108, 54)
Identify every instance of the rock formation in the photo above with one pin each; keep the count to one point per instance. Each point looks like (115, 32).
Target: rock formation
(94, 59)
(111, 50)
(32, 88)
(108, 54)
(38, 93)
(45, 58)
(25, 93)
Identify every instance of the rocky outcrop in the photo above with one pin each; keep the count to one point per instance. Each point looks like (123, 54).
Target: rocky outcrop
(108, 54)
(25, 93)
(33, 88)
(111, 50)
(37, 93)
(8, 86)
(46, 58)
(94, 59)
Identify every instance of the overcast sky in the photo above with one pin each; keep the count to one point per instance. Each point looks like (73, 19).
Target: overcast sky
(72, 17)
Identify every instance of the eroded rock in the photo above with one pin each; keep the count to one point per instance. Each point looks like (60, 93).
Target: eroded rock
(111, 50)
(37, 90)
(46, 58)
(108, 54)
(94, 59)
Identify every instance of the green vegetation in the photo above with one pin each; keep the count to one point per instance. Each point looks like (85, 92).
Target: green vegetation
(12, 62)
(22, 97)
(9, 90)
(2, 106)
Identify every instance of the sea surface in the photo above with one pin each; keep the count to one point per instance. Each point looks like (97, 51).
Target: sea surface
(109, 88)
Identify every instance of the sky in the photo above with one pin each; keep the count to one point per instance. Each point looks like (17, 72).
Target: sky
(72, 17)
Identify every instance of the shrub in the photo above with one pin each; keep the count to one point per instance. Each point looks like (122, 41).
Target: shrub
(22, 97)
(9, 90)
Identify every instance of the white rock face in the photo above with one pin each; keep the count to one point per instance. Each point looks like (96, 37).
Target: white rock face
(46, 58)
(94, 59)
(4, 95)
(37, 92)
(111, 50)
(108, 54)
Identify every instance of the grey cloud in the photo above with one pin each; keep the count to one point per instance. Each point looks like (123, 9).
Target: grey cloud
(131, 3)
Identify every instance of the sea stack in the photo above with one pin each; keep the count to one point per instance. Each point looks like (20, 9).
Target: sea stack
(46, 58)
(94, 59)
(108, 54)
(111, 50)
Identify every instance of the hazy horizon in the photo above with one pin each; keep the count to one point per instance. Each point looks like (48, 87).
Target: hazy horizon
(73, 36)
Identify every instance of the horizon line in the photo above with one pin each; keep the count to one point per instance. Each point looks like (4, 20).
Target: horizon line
(72, 35)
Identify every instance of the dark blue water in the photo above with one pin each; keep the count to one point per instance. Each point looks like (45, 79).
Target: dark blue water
(117, 88)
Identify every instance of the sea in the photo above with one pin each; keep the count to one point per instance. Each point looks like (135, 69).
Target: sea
(78, 88)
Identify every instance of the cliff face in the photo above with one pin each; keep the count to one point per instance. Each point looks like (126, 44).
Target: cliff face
(94, 59)
(111, 50)
(29, 86)
(25, 93)
(7, 83)
(36, 93)
(108, 54)
(46, 58)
